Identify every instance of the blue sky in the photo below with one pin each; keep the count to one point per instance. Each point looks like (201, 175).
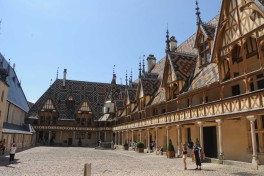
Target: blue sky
(88, 37)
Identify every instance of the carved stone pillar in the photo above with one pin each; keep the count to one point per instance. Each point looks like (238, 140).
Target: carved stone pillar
(255, 160)
(179, 139)
(156, 138)
(220, 140)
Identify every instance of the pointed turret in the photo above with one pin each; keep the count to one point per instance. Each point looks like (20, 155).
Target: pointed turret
(198, 13)
(114, 76)
(126, 79)
(140, 69)
(143, 66)
(167, 41)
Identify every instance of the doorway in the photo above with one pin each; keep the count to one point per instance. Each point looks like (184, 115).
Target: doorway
(210, 142)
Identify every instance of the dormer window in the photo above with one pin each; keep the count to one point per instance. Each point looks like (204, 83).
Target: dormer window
(204, 53)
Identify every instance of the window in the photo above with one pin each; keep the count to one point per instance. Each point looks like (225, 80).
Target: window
(155, 112)
(89, 136)
(204, 53)
(235, 90)
(236, 54)
(251, 47)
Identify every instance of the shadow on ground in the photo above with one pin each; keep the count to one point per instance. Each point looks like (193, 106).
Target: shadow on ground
(4, 162)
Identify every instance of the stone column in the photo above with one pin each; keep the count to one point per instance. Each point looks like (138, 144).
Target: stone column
(200, 124)
(255, 160)
(49, 138)
(118, 137)
(148, 143)
(127, 136)
(179, 139)
(132, 131)
(156, 138)
(168, 138)
(140, 135)
(105, 136)
(220, 140)
(61, 137)
(115, 138)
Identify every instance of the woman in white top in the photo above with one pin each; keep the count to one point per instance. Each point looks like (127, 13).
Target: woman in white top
(12, 152)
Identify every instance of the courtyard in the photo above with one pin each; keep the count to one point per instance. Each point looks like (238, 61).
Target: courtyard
(69, 161)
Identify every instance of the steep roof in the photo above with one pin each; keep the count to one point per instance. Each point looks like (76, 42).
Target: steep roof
(94, 93)
(149, 86)
(204, 76)
(16, 94)
(182, 64)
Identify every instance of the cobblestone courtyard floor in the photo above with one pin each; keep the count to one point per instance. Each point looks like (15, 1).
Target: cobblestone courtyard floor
(51, 161)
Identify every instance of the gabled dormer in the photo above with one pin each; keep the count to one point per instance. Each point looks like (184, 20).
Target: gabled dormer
(48, 106)
(178, 69)
(85, 108)
(204, 42)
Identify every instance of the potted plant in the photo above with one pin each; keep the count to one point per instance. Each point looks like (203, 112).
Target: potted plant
(140, 147)
(170, 150)
(125, 145)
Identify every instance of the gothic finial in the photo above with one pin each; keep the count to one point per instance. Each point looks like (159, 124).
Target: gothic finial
(130, 81)
(199, 20)
(167, 40)
(143, 67)
(57, 73)
(50, 81)
(126, 77)
(139, 74)
(114, 70)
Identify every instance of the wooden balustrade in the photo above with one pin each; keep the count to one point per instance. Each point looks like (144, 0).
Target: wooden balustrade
(249, 101)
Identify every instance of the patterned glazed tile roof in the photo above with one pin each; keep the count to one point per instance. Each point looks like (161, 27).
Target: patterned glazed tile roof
(208, 30)
(159, 97)
(188, 46)
(204, 76)
(94, 93)
(16, 94)
(132, 95)
(214, 21)
(183, 65)
(150, 86)
(119, 104)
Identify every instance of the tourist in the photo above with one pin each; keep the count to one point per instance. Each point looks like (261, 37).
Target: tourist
(154, 146)
(197, 154)
(3, 146)
(12, 152)
(184, 155)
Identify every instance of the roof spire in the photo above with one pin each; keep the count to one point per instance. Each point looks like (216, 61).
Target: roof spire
(114, 76)
(130, 81)
(167, 40)
(143, 66)
(57, 73)
(126, 77)
(139, 74)
(199, 20)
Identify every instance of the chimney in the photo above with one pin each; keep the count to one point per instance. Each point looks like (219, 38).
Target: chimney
(173, 44)
(151, 62)
(64, 77)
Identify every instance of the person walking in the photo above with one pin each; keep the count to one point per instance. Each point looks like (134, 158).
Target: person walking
(12, 152)
(184, 155)
(197, 154)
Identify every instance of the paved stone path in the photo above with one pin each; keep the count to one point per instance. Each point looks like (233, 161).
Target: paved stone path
(53, 161)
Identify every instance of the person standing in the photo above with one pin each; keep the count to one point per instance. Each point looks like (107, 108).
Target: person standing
(3, 146)
(197, 154)
(12, 152)
(184, 155)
